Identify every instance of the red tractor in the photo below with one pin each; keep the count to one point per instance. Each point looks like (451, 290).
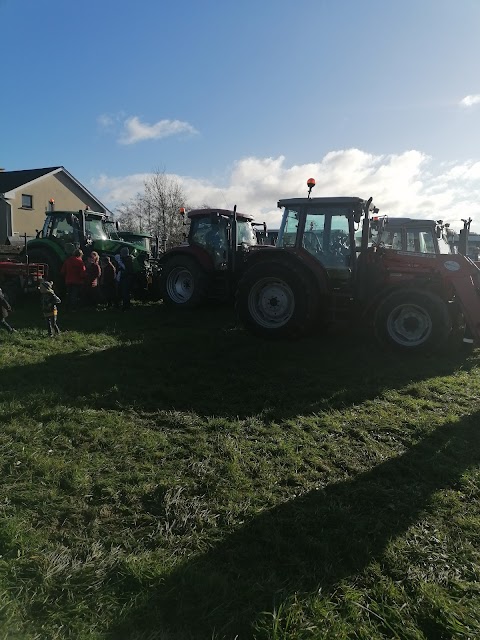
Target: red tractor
(209, 264)
(325, 270)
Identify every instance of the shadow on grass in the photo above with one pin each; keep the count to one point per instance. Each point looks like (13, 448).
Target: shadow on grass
(308, 543)
(201, 363)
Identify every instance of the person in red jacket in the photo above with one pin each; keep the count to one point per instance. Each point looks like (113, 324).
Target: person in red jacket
(73, 270)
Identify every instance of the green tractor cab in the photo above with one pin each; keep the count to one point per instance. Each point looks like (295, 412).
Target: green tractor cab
(144, 241)
(65, 231)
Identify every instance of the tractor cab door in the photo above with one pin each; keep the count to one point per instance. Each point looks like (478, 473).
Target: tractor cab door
(63, 229)
(210, 233)
(327, 237)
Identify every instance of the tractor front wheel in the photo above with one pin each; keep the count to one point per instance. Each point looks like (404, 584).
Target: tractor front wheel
(183, 283)
(277, 300)
(413, 321)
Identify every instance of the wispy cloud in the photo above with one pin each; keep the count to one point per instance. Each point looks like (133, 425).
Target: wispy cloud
(471, 100)
(137, 131)
(403, 184)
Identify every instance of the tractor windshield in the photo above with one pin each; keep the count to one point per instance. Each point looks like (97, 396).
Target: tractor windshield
(245, 233)
(144, 242)
(95, 229)
(111, 229)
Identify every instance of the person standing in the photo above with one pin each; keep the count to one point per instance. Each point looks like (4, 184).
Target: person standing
(5, 309)
(126, 277)
(73, 271)
(92, 278)
(108, 282)
(49, 301)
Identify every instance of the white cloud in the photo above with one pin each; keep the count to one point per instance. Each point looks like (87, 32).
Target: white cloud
(470, 101)
(401, 185)
(136, 131)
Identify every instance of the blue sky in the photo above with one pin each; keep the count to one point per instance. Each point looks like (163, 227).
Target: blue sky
(243, 101)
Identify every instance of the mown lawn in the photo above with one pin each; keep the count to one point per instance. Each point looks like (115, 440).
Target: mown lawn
(169, 477)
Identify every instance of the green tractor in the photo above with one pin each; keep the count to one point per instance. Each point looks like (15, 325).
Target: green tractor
(65, 231)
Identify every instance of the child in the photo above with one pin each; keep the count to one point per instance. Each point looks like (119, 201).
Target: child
(5, 308)
(49, 306)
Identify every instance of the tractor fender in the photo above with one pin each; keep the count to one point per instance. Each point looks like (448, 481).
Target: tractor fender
(200, 255)
(46, 246)
(312, 269)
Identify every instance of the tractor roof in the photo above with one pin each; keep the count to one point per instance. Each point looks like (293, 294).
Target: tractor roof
(223, 212)
(321, 202)
(411, 222)
(88, 213)
(134, 234)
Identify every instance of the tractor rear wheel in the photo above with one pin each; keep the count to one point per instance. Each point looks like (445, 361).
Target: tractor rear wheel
(277, 300)
(52, 262)
(413, 321)
(183, 283)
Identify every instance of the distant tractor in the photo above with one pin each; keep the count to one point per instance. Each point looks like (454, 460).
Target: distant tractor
(208, 265)
(410, 234)
(145, 241)
(64, 231)
(322, 273)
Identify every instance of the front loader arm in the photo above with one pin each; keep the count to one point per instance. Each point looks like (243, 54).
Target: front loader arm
(463, 275)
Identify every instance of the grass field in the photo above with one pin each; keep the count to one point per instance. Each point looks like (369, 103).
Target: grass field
(169, 477)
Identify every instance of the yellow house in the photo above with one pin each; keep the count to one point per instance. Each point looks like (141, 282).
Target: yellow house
(26, 196)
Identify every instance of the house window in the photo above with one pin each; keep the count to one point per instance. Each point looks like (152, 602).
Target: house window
(27, 201)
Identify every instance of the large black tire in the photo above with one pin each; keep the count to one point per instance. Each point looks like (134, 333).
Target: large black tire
(53, 263)
(183, 283)
(277, 300)
(412, 320)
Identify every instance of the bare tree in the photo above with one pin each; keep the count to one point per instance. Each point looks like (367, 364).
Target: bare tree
(129, 214)
(157, 210)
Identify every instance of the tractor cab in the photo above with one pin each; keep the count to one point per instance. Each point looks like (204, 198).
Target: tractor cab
(324, 231)
(72, 229)
(88, 230)
(218, 231)
(410, 234)
(141, 240)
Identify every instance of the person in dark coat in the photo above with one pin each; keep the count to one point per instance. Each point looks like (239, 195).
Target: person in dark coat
(49, 301)
(125, 277)
(5, 309)
(108, 281)
(92, 279)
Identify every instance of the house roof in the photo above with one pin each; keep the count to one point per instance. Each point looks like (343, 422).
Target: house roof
(13, 179)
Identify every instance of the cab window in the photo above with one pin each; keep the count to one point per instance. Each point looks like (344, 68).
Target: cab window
(420, 241)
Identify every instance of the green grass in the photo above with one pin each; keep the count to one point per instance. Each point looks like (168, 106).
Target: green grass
(166, 476)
